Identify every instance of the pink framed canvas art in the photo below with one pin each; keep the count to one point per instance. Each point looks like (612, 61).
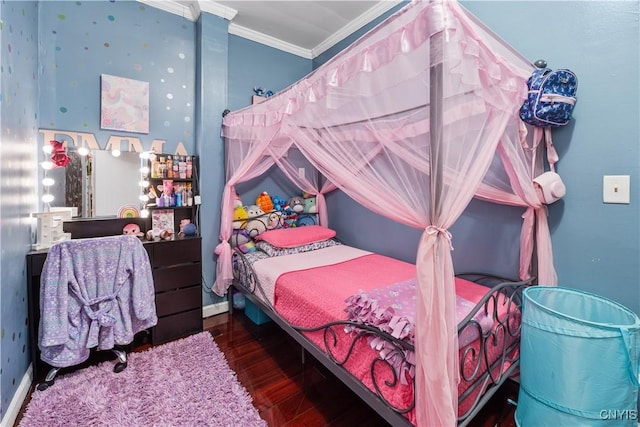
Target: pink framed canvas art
(124, 104)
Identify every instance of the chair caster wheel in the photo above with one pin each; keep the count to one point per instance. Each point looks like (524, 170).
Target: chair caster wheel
(120, 366)
(44, 385)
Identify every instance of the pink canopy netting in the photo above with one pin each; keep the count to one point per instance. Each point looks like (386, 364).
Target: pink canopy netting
(420, 114)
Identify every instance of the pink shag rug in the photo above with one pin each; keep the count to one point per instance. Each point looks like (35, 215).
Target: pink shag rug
(182, 383)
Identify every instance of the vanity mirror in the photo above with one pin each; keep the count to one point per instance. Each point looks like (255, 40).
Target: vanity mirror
(98, 184)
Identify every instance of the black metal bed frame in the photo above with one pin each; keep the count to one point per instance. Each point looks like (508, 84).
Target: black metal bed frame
(502, 292)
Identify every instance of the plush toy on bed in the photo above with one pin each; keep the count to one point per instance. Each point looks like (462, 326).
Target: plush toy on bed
(275, 220)
(240, 239)
(278, 203)
(257, 221)
(296, 203)
(310, 204)
(240, 216)
(265, 202)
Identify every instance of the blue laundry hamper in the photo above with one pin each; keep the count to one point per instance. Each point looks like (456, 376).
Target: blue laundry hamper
(579, 360)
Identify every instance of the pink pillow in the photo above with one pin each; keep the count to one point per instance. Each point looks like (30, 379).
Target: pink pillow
(296, 236)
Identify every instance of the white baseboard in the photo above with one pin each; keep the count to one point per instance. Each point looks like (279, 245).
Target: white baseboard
(213, 309)
(13, 410)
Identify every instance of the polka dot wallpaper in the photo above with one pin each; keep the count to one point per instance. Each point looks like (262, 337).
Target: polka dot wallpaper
(81, 40)
(53, 54)
(19, 118)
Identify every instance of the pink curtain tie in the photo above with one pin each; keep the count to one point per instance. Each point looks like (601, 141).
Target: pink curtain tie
(432, 229)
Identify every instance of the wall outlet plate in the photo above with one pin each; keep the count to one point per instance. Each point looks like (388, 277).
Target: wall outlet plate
(616, 189)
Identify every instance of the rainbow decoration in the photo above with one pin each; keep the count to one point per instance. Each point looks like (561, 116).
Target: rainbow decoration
(128, 211)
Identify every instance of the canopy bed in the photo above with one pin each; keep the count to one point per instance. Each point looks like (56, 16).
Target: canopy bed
(420, 114)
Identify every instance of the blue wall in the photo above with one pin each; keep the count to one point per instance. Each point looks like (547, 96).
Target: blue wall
(83, 40)
(596, 245)
(213, 42)
(19, 127)
(253, 64)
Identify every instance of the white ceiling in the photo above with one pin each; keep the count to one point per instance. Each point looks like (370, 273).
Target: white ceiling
(304, 27)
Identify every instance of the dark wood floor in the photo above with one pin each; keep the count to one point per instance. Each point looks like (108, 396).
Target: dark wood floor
(290, 393)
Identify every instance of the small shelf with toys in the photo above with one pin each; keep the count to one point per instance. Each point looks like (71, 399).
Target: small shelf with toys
(269, 213)
(172, 195)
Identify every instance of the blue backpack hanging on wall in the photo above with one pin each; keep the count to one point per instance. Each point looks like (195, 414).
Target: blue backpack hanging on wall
(551, 98)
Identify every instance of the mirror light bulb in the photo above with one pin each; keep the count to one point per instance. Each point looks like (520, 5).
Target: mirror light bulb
(144, 213)
(47, 198)
(83, 151)
(48, 182)
(144, 198)
(46, 165)
(143, 184)
(144, 155)
(144, 170)
(47, 149)
(115, 153)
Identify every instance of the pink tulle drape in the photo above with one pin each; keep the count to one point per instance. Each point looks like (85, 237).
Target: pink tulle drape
(412, 121)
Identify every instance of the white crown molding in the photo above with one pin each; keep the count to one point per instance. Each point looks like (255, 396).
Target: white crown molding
(269, 41)
(354, 25)
(216, 9)
(174, 7)
(191, 9)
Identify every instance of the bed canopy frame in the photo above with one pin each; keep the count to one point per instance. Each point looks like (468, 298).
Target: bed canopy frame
(420, 115)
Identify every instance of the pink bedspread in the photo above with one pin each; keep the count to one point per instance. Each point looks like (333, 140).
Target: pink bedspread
(313, 297)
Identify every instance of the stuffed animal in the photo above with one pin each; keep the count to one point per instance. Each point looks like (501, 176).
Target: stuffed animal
(190, 230)
(159, 234)
(187, 228)
(275, 219)
(310, 205)
(296, 203)
(257, 222)
(278, 203)
(240, 216)
(132, 229)
(253, 211)
(240, 239)
(264, 202)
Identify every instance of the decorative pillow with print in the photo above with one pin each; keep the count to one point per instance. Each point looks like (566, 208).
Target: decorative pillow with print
(273, 251)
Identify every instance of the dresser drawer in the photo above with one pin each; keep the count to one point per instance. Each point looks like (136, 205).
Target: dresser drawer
(176, 326)
(172, 302)
(179, 276)
(176, 252)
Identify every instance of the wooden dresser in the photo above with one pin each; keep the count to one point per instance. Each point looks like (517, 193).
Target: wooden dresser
(177, 275)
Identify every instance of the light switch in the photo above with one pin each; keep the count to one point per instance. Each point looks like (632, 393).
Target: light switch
(616, 189)
(301, 173)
